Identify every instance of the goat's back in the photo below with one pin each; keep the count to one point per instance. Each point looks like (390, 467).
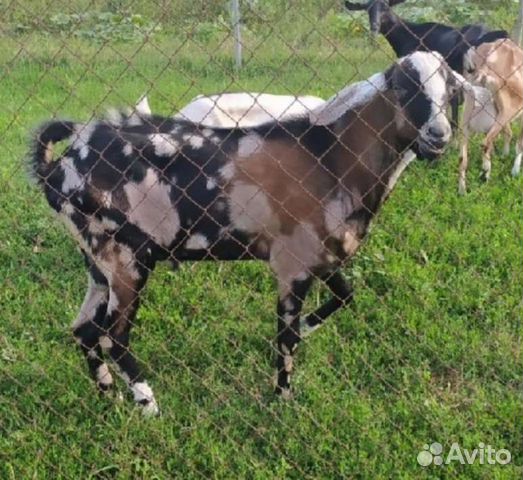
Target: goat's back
(499, 66)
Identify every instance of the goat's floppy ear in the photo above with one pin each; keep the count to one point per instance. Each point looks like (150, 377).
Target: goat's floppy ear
(398, 80)
(356, 6)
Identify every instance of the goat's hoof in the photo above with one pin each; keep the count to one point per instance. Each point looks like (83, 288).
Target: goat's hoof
(150, 409)
(285, 393)
(484, 177)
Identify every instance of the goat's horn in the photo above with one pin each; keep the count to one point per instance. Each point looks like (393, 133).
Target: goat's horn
(395, 2)
(356, 6)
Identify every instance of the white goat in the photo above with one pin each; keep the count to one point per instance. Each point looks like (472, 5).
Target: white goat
(230, 110)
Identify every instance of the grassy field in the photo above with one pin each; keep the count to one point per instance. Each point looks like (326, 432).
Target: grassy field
(431, 350)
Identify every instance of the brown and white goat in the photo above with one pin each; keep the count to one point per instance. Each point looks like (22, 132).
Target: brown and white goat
(299, 194)
(493, 103)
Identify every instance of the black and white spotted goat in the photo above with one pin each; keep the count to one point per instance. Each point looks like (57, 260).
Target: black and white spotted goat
(406, 37)
(299, 194)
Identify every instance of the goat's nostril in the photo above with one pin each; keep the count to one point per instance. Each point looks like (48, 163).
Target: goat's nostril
(437, 132)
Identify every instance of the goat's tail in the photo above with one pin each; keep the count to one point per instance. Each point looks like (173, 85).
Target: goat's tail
(46, 136)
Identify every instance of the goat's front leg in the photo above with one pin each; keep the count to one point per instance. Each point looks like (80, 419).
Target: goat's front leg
(289, 307)
(343, 295)
(464, 162)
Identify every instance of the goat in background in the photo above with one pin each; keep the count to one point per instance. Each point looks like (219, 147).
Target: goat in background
(406, 37)
(493, 103)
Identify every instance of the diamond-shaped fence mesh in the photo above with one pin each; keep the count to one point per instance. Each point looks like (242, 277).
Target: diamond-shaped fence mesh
(232, 176)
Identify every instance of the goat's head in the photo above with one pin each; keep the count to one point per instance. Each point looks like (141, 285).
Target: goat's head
(378, 11)
(422, 84)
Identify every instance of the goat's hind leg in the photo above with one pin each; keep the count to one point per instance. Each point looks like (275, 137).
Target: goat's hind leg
(488, 146)
(125, 286)
(289, 307)
(88, 327)
(519, 154)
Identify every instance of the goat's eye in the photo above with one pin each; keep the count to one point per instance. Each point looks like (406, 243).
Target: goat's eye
(471, 70)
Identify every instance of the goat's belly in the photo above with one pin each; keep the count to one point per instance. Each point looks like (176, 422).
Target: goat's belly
(483, 120)
(484, 112)
(228, 246)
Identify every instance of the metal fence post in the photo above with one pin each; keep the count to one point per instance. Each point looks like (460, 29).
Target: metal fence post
(519, 25)
(236, 19)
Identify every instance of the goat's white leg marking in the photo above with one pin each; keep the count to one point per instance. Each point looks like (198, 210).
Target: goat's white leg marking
(463, 166)
(104, 377)
(306, 329)
(87, 330)
(519, 154)
(517, 165)
(144, 395)
(96, 294)
(342, 295)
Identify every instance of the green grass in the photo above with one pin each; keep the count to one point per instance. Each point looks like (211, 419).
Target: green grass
(430, 351)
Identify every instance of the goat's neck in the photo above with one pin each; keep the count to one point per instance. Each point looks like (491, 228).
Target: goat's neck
(367, 162)
(394, 29)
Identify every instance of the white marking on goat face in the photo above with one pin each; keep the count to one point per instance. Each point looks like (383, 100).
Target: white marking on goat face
(73, 181)
(249, 145)
(197, 242)
(164, 145)
(433, 79)
(150, 208)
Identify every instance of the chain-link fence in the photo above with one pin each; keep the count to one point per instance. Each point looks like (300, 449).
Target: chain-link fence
(245, 153)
